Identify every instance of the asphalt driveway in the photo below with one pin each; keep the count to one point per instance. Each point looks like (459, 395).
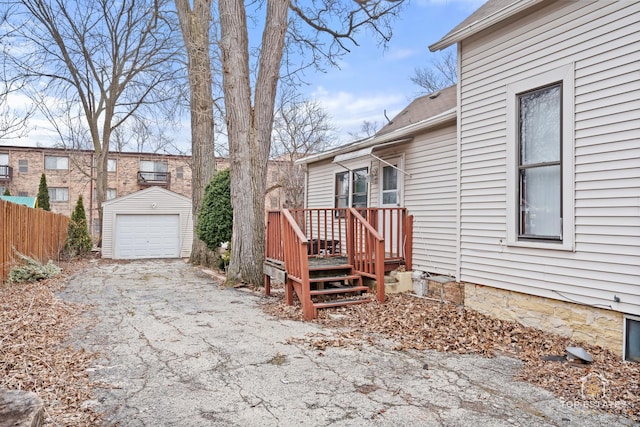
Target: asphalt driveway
(177, 349)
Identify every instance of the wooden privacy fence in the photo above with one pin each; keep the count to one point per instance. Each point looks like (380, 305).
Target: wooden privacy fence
(37, 233)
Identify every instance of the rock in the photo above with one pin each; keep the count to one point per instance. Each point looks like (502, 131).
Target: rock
(20, 409)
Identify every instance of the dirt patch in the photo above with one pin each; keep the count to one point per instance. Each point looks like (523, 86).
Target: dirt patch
(414, 323)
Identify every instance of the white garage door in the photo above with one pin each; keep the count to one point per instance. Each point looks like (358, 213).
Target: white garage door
(147, 236)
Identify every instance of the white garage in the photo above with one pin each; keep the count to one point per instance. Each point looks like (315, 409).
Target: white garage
(152, 223)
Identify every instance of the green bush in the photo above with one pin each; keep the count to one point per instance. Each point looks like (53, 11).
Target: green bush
(215, 221)
(79, 241)
(43, 194)
(6, 192)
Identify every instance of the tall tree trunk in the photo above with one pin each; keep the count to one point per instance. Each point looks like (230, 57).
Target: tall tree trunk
(195, 25)
(249, 128)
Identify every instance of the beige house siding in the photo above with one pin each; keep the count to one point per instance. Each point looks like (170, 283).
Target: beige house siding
(429, 193)
(600, 42)
(153, 201)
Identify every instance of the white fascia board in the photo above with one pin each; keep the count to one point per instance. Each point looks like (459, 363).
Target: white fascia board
(482, 24)
(401, 133)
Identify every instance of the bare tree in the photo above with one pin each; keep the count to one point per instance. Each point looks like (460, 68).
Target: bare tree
(249, 113)
(301, 127)
(195, 22)
(101, 61)
(367, 129)
(442, 73)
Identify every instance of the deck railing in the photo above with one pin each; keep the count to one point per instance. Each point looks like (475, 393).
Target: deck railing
(326, 232)
(366, 250)
(297, 264)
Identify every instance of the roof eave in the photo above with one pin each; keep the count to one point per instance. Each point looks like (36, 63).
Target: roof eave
(387, 137)
(482, 24)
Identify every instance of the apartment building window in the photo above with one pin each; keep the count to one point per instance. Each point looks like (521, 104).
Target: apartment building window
(96, 226)
(352, 188)
(540, 160)
(58, 194)
(56, 163)
(23, 166)
(4, 159)
(112, 165)
(153, 166)
(111, 194)
(23, 194)
(179, 172)
(2, 190)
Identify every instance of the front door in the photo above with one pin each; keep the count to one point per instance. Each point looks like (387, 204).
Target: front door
(390, 197)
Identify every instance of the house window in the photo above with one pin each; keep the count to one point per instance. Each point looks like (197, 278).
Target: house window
(23, 194)
(540, 163)
(56, 163)
(632, 339)
(58, 194)
(360, 188)
(2, 190)
(342, 190)
(112, 165)
(4, 159)
(352, 189)
(23, 166)
(179, 172)
(540, 159)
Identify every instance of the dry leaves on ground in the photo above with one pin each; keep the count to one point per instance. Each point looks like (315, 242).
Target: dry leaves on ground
(415, 323)
(34, 324)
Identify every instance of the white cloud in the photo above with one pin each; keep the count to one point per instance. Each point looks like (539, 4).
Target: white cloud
(399, 54)
(349, 110)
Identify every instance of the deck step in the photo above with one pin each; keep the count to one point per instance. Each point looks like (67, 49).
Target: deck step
(330, 267)
(340, 302)
(346, 289)
(334, 278)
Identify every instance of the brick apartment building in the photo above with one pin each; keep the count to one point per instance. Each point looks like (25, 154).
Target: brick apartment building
(71, 174)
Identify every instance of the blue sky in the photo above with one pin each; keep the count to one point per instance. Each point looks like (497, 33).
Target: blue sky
(371, 79)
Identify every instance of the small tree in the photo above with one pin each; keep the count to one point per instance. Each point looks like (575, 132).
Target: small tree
(215, 221)
(43, 194)
(6, 192)
(78, 240)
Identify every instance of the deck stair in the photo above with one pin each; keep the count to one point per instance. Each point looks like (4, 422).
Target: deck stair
(335, 286)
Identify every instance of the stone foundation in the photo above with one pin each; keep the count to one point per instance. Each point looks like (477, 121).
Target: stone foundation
(441, 288)
(579, 322)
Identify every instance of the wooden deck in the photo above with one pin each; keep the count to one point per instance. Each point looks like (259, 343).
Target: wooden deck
(323, 255)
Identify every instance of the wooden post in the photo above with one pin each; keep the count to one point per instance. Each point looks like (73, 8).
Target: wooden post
(408, 243)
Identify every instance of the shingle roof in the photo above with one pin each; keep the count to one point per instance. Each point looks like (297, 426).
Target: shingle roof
(423, 108)
(488, 14)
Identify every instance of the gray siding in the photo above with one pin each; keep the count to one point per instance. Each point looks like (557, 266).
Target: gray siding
(153, 201)
(429, 194)
(602, 42)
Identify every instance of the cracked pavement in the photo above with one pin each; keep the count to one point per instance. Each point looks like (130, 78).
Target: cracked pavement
(177, 349)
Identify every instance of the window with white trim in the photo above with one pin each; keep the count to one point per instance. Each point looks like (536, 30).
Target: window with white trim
(540, 162)
(23, 166)
(58, 194)
(352, 188)
(56, 163)
(4, 159)
(112, 165)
